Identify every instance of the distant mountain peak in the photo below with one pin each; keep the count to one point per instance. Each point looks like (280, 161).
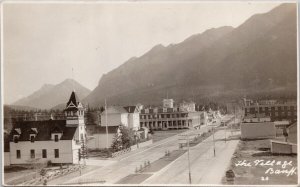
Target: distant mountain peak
(50, 95)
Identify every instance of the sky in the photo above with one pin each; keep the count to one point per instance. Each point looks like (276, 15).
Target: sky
(42, 42)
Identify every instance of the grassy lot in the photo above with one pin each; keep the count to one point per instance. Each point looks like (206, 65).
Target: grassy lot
(254, 153)
(160, 135)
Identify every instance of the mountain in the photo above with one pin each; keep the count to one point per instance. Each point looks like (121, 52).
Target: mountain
(259, 55)
(49, 96)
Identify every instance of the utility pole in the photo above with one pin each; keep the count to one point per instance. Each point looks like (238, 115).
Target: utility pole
(225, 126)
(188, 142)
(214, 141)
(188, 145)
(106, 125)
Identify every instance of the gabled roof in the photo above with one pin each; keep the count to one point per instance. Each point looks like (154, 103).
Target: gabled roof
(44, 130)
(73, 104)
(131, 109)
(292, 125)
(115, 110)
(73, 100)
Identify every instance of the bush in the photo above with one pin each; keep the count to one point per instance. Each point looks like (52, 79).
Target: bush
(43, 172)
(124, 140)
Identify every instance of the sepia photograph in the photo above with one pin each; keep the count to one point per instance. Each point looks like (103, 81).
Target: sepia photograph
(149, 93)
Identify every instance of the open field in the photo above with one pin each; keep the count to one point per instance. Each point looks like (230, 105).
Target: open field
(260, 167)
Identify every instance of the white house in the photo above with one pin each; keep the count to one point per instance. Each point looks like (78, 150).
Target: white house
(117, 115)
(58, 141)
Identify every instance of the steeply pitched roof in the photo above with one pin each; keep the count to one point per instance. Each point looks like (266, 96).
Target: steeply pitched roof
(44, 130)
(73, 103)
(73, 99)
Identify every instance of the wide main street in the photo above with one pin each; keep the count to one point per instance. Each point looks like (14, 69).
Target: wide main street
(127, 164)
(205, 167)
(113, 170)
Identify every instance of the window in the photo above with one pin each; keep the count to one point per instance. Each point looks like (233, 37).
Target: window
(56, 153)
(18, 154)
(32, 153)
(16, 138)
(44, 153)
(31, 138)
(81, 136)
(56, 138)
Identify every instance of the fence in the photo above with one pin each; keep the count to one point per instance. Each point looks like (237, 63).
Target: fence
(115, 154)
(142, 144)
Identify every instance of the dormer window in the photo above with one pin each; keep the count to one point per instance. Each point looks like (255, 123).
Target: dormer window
(56, 138)
(32, 137)
(16, 138)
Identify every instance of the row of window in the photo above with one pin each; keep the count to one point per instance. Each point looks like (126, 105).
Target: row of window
(71, 113)
(160, 116)
(279, 113)
(32, 138)
(44, 153)
(270, 108)
(149, 125)
(146, 111)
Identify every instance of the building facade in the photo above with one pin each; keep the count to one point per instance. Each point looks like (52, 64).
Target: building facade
(118, 115)
(276, 110)
(170, 117)
(58, 141)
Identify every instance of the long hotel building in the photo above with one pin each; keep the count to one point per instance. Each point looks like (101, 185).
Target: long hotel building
(170, 117)
(276, 110)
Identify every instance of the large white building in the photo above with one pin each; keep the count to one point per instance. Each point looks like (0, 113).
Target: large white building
(170, 116)
(118, 115)
(58, 141)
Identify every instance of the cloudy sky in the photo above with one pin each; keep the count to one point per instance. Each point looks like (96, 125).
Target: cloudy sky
(42, 42)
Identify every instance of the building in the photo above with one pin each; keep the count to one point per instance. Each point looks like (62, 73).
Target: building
(133, 117)
(172, 117)
(256, 118)
(276, 110)
(118, 115)
(292, 133)
(58, 141)
(258, 130)
(290, 145)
